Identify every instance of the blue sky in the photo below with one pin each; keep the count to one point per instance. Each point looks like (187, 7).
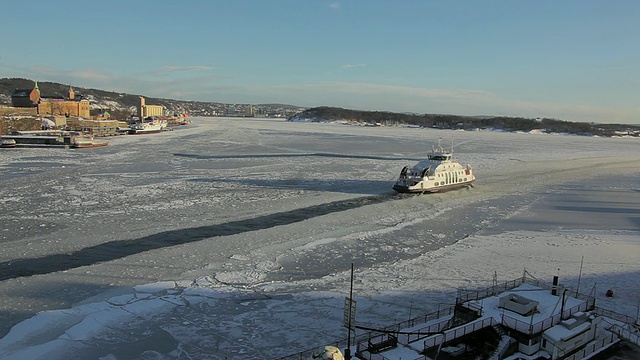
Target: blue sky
(571, 60)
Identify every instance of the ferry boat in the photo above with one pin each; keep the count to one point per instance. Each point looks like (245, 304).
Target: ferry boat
(436, 174)
(147, 127)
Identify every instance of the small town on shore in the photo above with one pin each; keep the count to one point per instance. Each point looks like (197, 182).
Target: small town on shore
(36, 120)
(85, 118)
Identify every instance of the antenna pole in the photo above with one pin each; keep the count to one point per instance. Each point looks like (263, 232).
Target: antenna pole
(347, 351)
(579, 276)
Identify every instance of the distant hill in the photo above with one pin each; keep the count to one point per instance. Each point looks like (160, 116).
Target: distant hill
(324, 114)
(121, 105)
(7, 86)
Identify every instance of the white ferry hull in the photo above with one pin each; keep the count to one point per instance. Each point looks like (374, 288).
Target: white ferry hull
(146, 128)
(416, 189)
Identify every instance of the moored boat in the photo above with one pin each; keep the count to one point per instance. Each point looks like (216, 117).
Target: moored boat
(7, 143)
(87, 142)
(147, 127)
(436, 174)
(54, 138)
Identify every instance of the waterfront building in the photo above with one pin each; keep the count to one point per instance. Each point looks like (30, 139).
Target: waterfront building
(51, 105)
(26, 97)
(145, 110)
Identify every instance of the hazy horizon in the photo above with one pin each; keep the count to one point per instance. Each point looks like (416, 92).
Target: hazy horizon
(573, 61)
(295, 105)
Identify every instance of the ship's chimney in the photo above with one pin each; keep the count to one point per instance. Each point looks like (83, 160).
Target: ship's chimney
(554, 289)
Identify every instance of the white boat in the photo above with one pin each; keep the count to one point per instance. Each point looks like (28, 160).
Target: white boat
(51, 138)
(438, 173)
(147, 127)
(7, 143)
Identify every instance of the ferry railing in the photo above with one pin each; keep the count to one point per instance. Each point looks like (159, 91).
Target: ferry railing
(424, 332)
(475, 294)
(509, 322)
(614, 315)
(364, 348)
(632, 336)
(372, 356)
(342, 343)
(592, 348)
(442, 312)
(530, 329)
(306, 354)
(463, 295)
(457, 332)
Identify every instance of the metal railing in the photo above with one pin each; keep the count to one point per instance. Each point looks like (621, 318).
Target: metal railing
(424, 332)
(468, 295)
(452, 334)
(614, 315)
(475, 294)
(632, 336)
(530, 329)
(366, 348)
(342, 343)
(593, 348)
(421, 319)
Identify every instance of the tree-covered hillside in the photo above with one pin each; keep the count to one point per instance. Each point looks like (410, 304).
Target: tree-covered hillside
(465, 122)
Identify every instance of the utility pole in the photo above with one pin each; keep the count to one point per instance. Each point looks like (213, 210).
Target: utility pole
(347, 351)
(579, 276)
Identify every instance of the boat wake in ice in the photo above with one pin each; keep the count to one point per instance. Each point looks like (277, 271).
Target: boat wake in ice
(279, 155)
(120, 248)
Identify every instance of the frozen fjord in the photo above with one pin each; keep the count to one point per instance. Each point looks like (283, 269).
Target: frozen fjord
(266, 221)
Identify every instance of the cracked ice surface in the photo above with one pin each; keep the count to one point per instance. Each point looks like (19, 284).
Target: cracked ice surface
(233, 238)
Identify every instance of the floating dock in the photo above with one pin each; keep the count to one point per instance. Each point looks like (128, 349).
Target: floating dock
(46, 138)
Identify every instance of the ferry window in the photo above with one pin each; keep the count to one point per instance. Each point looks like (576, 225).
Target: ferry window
(436, 184)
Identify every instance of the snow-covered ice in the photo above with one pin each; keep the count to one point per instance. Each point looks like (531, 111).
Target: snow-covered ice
(233, 238)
